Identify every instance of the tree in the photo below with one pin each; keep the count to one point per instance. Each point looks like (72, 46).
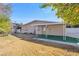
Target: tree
(5, 9)
(5, 23)
(69, 12)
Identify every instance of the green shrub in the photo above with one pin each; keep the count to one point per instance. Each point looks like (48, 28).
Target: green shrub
(5, 23)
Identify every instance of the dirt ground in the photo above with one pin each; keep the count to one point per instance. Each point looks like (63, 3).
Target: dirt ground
(13, 46)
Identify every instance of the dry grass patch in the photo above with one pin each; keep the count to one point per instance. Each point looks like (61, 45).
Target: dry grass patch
(11, 45)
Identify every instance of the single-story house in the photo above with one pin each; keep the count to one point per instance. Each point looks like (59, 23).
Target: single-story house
(44, 27)
(47, 30)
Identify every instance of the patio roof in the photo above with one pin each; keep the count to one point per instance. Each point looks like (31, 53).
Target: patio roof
(50, 24)
(44, 23)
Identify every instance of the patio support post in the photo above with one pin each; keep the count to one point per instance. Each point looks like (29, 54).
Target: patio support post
(36, 31)
(46, 30)
(64, 32)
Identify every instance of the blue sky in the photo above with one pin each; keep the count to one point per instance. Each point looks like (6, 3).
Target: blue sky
(26, 12)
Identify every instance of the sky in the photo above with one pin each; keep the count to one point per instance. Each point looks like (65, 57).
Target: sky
(26, 12)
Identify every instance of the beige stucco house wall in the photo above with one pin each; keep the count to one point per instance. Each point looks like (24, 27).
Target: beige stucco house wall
(51, 29)
(44, 27)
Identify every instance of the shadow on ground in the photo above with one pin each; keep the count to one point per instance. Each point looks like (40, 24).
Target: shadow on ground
(28, 37)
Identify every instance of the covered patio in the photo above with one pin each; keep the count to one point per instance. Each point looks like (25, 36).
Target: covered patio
(46, 30)
(53, 32)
